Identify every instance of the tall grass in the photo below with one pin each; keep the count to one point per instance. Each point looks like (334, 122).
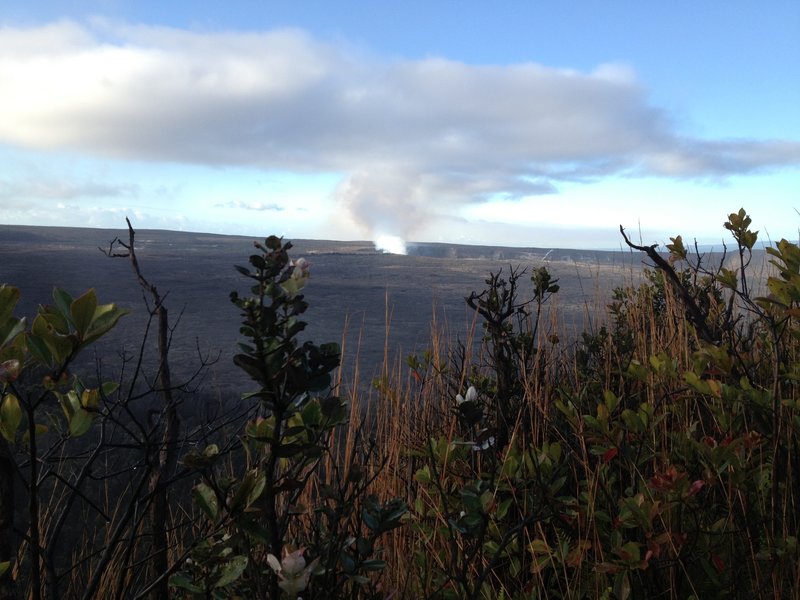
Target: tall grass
(675, 474)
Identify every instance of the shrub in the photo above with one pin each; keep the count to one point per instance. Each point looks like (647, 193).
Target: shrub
(662, 466)
(35, 381)
(293, 519)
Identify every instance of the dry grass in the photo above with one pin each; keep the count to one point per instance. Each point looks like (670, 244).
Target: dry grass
(406, 408)
(410, 408)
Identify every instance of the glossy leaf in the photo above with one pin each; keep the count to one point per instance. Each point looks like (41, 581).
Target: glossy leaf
(10, 328)
(183, 582)
(80, 422)
(59, 345)
(207, 500)
(39, 351)
(63, 302)
(9, 297)
(10, 416)
(82, 312)
(104, 319)
(231, 571)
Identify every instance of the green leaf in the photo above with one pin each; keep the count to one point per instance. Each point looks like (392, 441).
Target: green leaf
(676, 248)
(592, 422)
(622, 585)
(393, 511)
(207, 500)
(109, 387)
(74, 399)
(244, 271)
(312, 414)
(4, 566)
(320, 383)
(632, 421)
(372, 519)
(9, 296)
(631, 552)
(254, 529)
(10, 417)
(39, 350)
(232, 570)
(555, 452)
(258, 489)
(63, 302)
(60, 346)
(539, 546)
(251, 366)
(423, 475)
(10, 329)
(66, 404)
(373, 564)
(104, 319)
(637, 370)
(610, 400)
(245, 489)
(82, 312)
(701, 385)
(56, 320)
(557, 484)
(502, 508)
(183, 582)
(80, 422)
(728, 278)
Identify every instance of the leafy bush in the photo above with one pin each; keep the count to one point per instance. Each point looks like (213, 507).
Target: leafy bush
(663, 467)
(278, 527)
(35, 380)
(657, 457)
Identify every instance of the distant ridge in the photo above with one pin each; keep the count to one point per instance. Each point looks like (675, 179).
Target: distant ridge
(34, 233)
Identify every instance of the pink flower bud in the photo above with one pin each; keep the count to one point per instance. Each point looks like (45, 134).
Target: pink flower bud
(696, 487)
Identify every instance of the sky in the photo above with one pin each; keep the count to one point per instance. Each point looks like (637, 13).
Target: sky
(518, 123)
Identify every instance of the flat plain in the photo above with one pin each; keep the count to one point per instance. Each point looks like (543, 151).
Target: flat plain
(371, 302)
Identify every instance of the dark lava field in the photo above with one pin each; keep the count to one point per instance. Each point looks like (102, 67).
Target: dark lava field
(357, 295)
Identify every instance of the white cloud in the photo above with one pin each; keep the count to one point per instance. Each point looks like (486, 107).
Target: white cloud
(413, 139)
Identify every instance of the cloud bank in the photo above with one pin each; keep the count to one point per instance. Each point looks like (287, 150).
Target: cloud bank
(412, 139)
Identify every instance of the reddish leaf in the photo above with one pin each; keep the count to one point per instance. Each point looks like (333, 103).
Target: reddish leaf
(609, 454)
(719, 564)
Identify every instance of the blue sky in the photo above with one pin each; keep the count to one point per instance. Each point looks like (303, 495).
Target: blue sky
(522, 123)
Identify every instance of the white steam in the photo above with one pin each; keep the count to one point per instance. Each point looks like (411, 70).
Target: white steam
(390, 244)
(389, 203)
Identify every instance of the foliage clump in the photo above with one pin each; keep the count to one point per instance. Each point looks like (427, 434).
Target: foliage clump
(661, 465)
(656, 457)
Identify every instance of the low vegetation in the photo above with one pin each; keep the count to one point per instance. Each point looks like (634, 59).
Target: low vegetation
(656, 457)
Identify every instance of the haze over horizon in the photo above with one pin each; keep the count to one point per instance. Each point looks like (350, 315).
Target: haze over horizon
(527, 124)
